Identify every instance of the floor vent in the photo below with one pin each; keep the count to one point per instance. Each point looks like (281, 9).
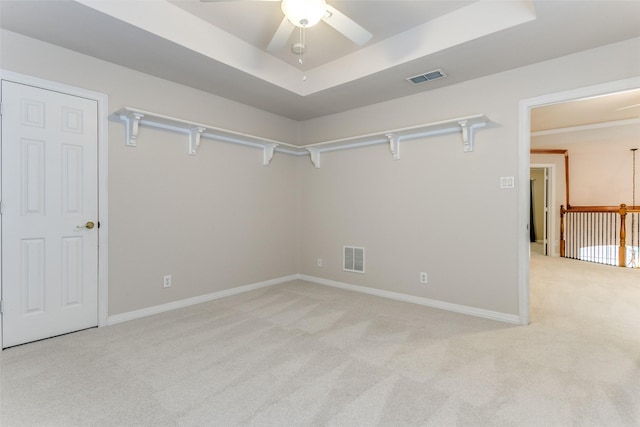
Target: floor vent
(354, 259)
(427, 77)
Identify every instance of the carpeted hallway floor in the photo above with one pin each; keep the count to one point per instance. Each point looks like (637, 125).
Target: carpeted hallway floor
(304, 354)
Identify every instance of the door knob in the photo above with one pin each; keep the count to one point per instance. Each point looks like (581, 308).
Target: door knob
(89, 225)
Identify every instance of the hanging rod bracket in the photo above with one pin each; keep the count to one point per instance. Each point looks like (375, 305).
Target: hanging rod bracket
(195, 134)
(268, 152)
(132, 126)
(394, 145)
(315, 157)
(467, 135)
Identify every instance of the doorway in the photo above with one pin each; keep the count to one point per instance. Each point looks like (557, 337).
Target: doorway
(54, 224)
(543, 210)
(524, 213)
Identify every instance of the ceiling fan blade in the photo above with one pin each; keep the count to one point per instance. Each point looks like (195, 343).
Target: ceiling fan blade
(281, 36)
(627, 107)
(348, 27)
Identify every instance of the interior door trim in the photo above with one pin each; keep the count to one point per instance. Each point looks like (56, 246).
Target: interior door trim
(524, 145)
(553, 209)
(103, 174)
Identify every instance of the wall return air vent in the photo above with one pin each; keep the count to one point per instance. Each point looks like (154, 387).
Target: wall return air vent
(427, 77)
(353, 259)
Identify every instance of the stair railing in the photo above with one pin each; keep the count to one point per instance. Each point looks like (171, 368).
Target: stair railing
(601, 234)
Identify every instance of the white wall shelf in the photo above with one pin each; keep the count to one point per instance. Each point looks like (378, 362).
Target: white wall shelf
(133, 118)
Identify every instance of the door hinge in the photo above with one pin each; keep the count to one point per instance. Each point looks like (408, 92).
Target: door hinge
(1, 207)
(1, 306)
(1, 109)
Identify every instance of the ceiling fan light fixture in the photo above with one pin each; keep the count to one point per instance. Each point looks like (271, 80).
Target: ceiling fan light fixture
(304, 13)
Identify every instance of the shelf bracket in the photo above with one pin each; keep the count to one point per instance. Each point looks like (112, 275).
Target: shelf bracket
(268, 152)
(467, 135)
(315, 157)
(394, 145)
(194, 139)
(132, 125)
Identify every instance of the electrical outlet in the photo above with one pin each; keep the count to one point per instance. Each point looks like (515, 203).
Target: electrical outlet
(166, 281)
(423, 277)
(320, 262)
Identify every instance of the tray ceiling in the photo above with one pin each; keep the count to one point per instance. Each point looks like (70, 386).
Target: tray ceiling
(221, 47)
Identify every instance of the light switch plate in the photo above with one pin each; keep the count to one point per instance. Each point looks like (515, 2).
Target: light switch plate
(507, 182)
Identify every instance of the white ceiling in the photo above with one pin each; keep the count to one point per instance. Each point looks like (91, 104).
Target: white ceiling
(255, 22)
(617, 108)
(220, 47)
(600, 119)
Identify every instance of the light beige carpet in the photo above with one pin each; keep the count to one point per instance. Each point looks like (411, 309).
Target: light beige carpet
(304, 354)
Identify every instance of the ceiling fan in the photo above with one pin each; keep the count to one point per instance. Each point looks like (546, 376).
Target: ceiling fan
(307, 13)
(628, 107)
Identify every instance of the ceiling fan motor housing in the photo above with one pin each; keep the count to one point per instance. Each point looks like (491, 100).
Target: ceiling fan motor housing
(304, 13)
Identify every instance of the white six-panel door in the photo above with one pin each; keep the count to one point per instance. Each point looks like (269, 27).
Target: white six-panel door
(49, 200)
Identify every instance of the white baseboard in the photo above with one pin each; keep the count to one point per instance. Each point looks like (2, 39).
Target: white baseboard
(472, 311)
(149, 311)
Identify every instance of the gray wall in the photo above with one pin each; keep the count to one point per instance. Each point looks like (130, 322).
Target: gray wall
(221, 220)
(214, 221)
(438, 209)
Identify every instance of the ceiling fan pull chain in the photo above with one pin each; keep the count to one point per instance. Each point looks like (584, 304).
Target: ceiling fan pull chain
(302, 45)
(301, 34)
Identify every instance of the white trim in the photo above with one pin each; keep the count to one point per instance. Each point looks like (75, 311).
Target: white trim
(157, 309)
(103, 210)
(551, 232)
(524, 145)
(581, 128)
(457, 308)
(102, 101)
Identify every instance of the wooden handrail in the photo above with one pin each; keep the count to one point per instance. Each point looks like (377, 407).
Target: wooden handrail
(626, 208)
(591, 209)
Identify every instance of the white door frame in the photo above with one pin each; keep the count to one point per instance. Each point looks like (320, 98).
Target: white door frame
(524, 145)
(103, 210)
(551, 204)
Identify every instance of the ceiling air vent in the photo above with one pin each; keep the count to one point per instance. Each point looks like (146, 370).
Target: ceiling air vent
(354, 259)
(427, 77)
